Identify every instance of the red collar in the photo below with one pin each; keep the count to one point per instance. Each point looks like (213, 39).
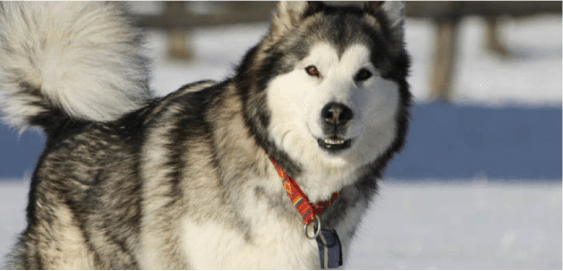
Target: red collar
(299, 199)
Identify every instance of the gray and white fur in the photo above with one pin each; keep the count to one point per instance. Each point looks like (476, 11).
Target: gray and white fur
(183, 181)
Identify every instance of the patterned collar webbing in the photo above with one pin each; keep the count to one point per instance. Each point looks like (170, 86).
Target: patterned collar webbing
(299, 199)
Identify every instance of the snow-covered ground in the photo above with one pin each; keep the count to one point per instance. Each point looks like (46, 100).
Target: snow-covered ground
(468, 226)
(472, 223)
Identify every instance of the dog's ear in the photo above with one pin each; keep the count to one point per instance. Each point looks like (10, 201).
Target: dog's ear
(394, 12)
(290, 14)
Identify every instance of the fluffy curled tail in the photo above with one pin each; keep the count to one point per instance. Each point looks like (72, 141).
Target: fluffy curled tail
(79, 60)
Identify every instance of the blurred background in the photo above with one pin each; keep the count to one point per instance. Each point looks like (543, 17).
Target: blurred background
(478, 185)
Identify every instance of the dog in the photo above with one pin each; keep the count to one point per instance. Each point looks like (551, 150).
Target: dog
(200, 178)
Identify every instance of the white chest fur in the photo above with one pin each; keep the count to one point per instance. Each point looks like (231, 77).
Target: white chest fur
(214, 246)
(272, 242)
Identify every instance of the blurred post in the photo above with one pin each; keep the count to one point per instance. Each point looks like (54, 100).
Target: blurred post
(177, 37)
(443, 62)
(446, 16)
(493, 42)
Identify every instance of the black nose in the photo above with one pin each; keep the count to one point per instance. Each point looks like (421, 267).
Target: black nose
(336, 114)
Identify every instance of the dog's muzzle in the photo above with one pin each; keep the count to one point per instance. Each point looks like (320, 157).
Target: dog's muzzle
(334, 118)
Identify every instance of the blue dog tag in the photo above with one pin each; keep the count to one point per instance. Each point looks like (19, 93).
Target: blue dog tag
(330, 250)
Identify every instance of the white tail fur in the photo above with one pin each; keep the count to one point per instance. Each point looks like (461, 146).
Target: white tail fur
(79, 58)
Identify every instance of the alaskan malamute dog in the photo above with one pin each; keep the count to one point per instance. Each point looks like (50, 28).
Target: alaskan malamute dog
(190, 180)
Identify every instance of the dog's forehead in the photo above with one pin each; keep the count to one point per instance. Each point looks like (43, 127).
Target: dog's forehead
(323, 52)
(341, 31)
(344, 30)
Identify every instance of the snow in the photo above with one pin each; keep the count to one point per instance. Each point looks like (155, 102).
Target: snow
(486, 194)
(469, 225)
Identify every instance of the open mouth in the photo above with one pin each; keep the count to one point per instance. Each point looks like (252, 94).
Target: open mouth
(334, 143)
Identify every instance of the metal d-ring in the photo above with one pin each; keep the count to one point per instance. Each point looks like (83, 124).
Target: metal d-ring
(316, 231)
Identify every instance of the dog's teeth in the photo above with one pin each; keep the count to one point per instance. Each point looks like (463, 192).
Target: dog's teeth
(333, 141)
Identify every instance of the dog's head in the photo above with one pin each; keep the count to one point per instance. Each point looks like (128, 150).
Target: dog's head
(332, 81)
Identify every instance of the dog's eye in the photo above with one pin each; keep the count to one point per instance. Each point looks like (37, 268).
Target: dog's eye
(312, 70)
(363, 75)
